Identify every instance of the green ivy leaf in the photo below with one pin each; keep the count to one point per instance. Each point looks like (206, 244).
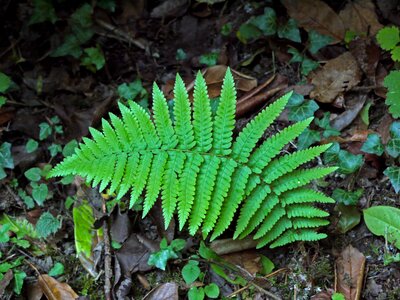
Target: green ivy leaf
(266, 22)
(196, 293)
(180, 55)
(384, 221)
(93, 59)
(39, 192)
(303, 111)
(45, 130)
(373, 144)
(395, 129)
(67, 179)
(296, 56)
(393, 147)
(307, 138)
(331, 155)
(338, 296)
(28, 200)
(6, 159)
(3, 100)
(290, 31)
(325, 123)
(348, 162)
(317, 41)
(394, 175)
(43, 11)
(349, 218)
(190, 272)
(346, 197)
(69, 148)
(57, 270)
(212, 291)
(132, 90)
(364, 114)
(388, 37)
(248, 32)
(391, 82)
(54, 149)
(33, 174)
(31, 146)
(160, 258)
(395, 53)
(47, 224)
(19, 277)
(308, 65)
(209, 59)
(5, 82)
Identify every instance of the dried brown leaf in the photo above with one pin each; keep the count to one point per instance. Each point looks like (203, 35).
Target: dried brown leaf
(55, 290)
(165, 291)
(359, 16)
(350, 273)
(317, 15)
(336, 76)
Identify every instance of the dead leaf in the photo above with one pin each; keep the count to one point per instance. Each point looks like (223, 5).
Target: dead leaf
(55, 290)
(350, 273)
(165, 291)
(336, 76)
(34, 291)
(249, 260)
(7, 277)
(367, 54)
(227, 246)
(316, 15)
(120, 226)
(170, 8)
(359, 16)
(346, 118)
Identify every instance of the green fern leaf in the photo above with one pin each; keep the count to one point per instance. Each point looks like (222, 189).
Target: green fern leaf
(183, 123)
(224, 122)
(200, 172)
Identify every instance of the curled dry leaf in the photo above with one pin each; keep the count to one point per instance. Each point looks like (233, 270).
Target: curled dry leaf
(165, 291)
(317, 15)
(55, 290)
(350, 273)
(248, 260)
(336, 76)
(367, 54)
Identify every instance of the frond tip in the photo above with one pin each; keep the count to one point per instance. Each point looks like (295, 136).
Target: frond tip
(193, 163)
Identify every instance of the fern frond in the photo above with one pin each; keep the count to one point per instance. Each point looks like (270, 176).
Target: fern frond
(254, 130)
(200, 172)
(162, 119)
(155, 181)
(303, 195)
(187, 187)
(170, 184)
(183, 118)
(224, 122)
(205, 185)
(290, 162)
(291, 236)
(202, 121)
(299, 178)
(272, 146)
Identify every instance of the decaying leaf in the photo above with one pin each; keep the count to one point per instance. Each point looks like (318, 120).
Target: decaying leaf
(317, 15)
(350, 273)
(359, 16)
(165, 291)
(336, 76)
(249, 260)
(55, 290)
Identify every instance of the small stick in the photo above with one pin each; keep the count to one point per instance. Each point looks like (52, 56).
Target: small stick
(257, 89)
(108, 274)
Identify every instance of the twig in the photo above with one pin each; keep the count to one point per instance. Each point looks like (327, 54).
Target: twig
(245, 106)
(108, 274)
(121, 34)
(256, 90)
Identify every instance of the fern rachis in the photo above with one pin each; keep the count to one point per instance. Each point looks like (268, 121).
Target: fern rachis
(201, 172)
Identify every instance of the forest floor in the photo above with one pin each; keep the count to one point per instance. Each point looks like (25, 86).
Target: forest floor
(64, 65)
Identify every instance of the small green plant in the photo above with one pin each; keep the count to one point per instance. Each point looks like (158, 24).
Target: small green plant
(209, 59)
(134, 90)
(202, 172)
(5, 84)
(389, 40)
(6, 159)
(160, 258)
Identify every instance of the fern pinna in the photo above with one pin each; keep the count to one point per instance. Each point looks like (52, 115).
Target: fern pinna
(193, 162)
